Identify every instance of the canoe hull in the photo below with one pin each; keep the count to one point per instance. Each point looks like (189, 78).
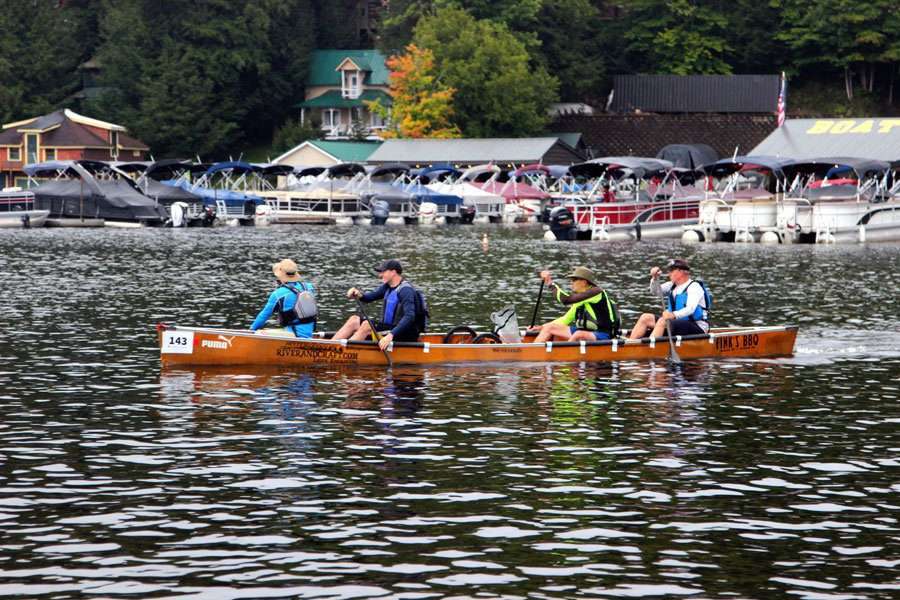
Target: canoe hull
(194, 346)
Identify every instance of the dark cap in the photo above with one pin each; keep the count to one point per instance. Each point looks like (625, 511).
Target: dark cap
(390, 265)
(678, 263)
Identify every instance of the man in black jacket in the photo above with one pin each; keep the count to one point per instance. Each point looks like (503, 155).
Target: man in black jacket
(400, 317)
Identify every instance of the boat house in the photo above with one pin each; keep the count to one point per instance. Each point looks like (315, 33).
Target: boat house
(338, 85)
(504, 152)
(875, 139)
(62, 135)
(325, 153)
(644, 113)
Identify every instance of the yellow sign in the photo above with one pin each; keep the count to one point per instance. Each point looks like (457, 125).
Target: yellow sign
(843, 126)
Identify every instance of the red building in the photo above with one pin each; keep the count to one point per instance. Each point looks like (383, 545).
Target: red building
(62, 135)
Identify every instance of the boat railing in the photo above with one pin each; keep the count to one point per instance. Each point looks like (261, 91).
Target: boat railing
(324, 206)
(16, 201)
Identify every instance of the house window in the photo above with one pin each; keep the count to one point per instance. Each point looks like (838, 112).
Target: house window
(376, 120)
(15, 154)
(50, 154)
(350, 81)
(31, 148)
(114, 144)
(331, 118)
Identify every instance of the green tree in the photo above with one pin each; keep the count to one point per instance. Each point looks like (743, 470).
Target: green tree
(499, 90)
(681, 37)
(572, 53)
(337, 24)
(43, 43)
(753, 37)
(293, 133)
(203, 76)
(399, 17)
(850, 35)
(422, 105)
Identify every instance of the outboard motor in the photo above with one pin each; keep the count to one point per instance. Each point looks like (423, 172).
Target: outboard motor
(428, 213)
(178, 211)
(380, 212)
(467, 214)
(209, 216)
(562, 224)
(545, 213)
(263, 215)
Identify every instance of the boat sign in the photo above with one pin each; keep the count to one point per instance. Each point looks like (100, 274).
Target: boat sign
(177, 342)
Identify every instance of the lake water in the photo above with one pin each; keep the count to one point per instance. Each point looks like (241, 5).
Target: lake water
(747, 479)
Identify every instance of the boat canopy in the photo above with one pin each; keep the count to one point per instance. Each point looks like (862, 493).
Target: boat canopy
(235, 166)
(479, 172)
(345, 170)
(50, 167)
(640, 166)
(167, 168)
(729, 166)
(274, 170)
(534, 168)
(862, 168)
(688, 156)
(437, 172)
(309, 171)
(131, 167)
(395, 169)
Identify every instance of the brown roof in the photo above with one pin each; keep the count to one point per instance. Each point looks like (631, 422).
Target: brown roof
(646, 134)
(72, 134)
(68, 133)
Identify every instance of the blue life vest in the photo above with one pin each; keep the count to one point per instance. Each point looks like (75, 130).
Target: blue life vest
(390, 315)
(677, 302)
(391, 300)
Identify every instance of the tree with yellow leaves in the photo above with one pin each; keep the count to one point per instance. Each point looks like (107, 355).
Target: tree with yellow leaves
(422, 106)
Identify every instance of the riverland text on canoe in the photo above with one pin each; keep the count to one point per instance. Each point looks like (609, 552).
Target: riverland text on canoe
(587, 332)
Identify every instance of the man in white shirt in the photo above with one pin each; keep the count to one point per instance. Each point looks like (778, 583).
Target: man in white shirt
(687, 304)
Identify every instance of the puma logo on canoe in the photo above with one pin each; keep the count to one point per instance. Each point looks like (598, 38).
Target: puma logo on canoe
(224, 344)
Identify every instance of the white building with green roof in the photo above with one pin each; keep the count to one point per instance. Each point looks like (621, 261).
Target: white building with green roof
(325, 153)
(339, 83)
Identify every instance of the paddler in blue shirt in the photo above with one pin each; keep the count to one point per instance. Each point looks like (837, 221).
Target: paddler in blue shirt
(687, 304)
(404, 316)
(283, 302)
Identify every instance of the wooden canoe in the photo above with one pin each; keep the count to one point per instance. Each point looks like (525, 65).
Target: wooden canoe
(205, 346)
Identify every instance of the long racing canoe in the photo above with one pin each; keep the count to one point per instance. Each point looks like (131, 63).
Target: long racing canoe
(193, 346)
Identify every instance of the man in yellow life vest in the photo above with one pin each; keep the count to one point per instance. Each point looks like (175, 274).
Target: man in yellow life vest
(592, 314)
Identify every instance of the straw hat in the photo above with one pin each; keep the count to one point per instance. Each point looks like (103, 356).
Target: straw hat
(583, 273)
(286, 270)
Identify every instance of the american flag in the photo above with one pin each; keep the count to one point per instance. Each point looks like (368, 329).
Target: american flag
(781, 109)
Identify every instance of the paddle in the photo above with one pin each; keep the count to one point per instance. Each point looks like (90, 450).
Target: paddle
(673, 356)
(537, 304)
(375, 336)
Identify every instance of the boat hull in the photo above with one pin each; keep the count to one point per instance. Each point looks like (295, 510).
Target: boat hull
(196, 346)
(619, 221)
(23, 218)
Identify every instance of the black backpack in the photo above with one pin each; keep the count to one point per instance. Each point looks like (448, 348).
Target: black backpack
(422, 314)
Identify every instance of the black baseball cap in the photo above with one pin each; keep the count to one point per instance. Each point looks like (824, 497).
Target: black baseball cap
(678, 263)
(390, 265)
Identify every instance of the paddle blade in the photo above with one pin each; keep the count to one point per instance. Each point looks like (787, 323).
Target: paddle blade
(673, 355)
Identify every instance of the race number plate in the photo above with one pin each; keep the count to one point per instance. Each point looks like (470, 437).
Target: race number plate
(177, 342)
